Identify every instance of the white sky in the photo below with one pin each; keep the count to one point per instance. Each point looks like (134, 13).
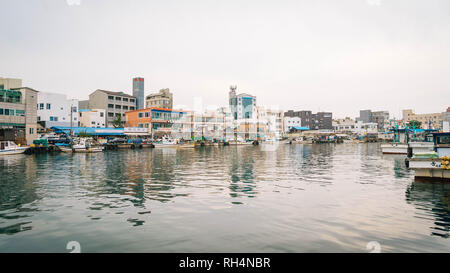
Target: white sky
(340, 56)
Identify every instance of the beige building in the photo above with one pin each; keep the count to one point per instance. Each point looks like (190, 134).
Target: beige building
(92, 118)
(429, 121)
(8, 83)
(114, 103)
(18, 114)
(163, 99)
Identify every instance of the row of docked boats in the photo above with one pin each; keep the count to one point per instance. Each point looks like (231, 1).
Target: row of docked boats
(428, 157)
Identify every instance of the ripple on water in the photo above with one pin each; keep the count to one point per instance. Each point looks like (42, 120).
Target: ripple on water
(289, 198)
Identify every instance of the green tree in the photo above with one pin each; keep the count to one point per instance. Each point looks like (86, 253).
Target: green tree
(117, 123)
(414, 124)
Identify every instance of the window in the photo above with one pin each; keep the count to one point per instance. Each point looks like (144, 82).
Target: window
(39, 118)
(118, 107)
(20, 113)
(125, 99)
(110, 97)
(131, 108)
(102, 114)
(125, 107)
(49, 106)
(1, 111)
(141, 115)
(147, 114)
(131, 100)
(31, 131)
(41, 106)
(110, 105)
(118, 99)
(110, 114)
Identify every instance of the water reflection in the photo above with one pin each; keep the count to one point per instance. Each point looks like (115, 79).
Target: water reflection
(432, 200)
(241, 172)
(301, 197)
(18, 193)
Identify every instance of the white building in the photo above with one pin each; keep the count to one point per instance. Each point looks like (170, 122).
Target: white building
(346, 125)
(55, 110)
(366, 128)
(92, 118)
(290, 122)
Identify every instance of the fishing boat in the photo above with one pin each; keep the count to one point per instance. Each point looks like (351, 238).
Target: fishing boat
(399, 145)
(11, 148)
(166, 142)
(82, 145)
(433, 164)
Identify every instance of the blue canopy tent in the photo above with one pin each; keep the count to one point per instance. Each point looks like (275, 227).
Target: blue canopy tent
(89, 130)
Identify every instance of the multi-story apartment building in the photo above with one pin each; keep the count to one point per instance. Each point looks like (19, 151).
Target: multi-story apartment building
(9, 83)
(290, 122)
(18, 114)
(116, 104)
(381, 118)
(318, 121)
(163, 99)
(92, 118)
(138, 92)
(159, 121)
(56, 110)
(346, 125)
(429, 121)
(242, 106)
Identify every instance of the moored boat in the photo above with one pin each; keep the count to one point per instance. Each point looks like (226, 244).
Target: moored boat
(434, 164)
(11, 148)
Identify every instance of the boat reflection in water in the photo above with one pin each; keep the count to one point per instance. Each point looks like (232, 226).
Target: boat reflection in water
(432, 199)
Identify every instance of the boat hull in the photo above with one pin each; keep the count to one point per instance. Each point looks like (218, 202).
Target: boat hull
(20, 150)
(421, 147)
(394, 148)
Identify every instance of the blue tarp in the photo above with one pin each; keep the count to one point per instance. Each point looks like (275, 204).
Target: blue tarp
(90, 130)
(300, 128)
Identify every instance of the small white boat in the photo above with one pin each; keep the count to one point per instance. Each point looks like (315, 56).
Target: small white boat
(166, 142)
(82, 146)
(11, 148)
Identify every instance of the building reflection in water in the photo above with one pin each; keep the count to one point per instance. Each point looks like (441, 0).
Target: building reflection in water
(434, 200)
(18, 193)
(241, 167)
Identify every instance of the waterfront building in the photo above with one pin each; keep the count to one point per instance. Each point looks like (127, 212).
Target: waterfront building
(271, 122)
(290, 122)
(18, 114)
(138, 92)
(363, 128)
(429, 121)
(83, 104)
(158, 121)
(56, 110)
(162, 99)
(346, 125)
(116, 104)
(242, 106)
(10, 83)
(92, 118)
(379, 117)
(318, 121)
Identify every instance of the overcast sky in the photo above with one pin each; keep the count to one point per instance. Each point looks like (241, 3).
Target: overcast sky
(339, 56)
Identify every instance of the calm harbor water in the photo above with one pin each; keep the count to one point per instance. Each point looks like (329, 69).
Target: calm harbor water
(298, 198)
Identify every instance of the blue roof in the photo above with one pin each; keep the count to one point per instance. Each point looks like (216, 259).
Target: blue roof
(90, 130)
(300, 128)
